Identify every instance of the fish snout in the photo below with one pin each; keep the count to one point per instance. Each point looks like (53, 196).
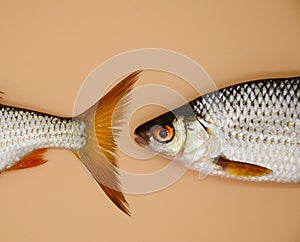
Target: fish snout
(139, 140)
(142, 135)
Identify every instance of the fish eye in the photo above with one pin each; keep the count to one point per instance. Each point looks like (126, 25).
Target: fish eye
(162, 133)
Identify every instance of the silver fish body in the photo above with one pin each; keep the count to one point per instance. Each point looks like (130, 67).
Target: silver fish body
(22, 131)
(256, 124)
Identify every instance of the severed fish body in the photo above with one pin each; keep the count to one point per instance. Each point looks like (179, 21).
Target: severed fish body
(23, 131)
(25, 135)
(249, 131)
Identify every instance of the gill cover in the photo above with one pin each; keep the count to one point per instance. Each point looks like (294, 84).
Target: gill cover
(176, 135)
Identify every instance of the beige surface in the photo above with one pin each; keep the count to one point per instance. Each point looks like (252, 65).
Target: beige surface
(49, 47)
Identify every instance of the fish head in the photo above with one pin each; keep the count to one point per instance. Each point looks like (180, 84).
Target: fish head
(178, 135)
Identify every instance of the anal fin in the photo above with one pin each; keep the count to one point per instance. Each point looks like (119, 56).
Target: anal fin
(34, 158)
(241, 169)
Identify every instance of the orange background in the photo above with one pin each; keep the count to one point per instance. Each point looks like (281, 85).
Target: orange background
(47, 50)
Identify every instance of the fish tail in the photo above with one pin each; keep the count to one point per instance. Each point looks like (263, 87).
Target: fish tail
(99, 152)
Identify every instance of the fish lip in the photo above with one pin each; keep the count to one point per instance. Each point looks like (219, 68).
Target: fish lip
(141, 135)
(139, 140)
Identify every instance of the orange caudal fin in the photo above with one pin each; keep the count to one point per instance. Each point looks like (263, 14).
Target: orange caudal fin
(34, 158)
(103, 121)
(241, 169)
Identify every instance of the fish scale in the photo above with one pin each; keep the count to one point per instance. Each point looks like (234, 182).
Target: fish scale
(260, 122)
(22, 131)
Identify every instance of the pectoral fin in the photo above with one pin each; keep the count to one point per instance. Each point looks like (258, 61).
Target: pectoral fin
(35, 158)
(241, 169)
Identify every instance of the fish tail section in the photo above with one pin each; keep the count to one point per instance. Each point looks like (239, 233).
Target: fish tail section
(99, 152)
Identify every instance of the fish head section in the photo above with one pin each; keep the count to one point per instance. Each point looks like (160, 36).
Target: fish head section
(177, 135)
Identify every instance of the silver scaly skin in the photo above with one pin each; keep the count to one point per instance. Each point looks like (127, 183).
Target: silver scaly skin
(22, 131)
(249, 131)
(260, 122)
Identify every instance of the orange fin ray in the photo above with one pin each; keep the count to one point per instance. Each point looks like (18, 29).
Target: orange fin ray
(241, 169)
(103, 121)
(34, 158)
(117, 197)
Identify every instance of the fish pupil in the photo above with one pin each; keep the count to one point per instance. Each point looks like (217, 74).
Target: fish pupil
(163, 133)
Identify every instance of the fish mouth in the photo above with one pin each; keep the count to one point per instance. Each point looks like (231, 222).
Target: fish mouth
(142, 135)
(139, 140)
